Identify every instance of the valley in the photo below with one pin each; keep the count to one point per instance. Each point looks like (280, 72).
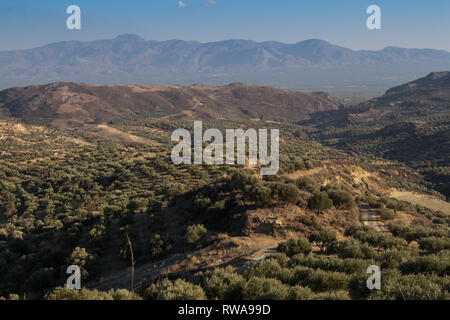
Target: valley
(84, 168)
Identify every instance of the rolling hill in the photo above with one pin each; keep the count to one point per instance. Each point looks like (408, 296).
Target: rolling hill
(410, 123)
(80, 102)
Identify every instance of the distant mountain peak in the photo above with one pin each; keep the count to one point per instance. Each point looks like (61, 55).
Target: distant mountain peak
(315, 41)
(132, 37)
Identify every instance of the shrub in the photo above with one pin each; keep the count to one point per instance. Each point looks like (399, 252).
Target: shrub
(98, 237)
(398, 229)
(340, 195)
(285, 275)
(201, 201)
(175, 189)
(376, 239)
(300, 293)
(289, 193)
(434, 244)
(392, 258)
(415, 234)
(358, 286)
(331, 263)
(123, 294)
(217, 207)
(323, 238)
(64, 293)
(370, 200)
(11, 297)
(258, 288)
(176, 290)
(308, 184)
(285, 192)
(388, 241)
(81, 258)
(261, 196)
(411, 287)
(351, 248)
(221, 283)
(332, 295)
(319, 202)
(281, 258)
(293, 247)
(355, 230)
(160, 246)
(320, 280)
(387, 214)
(243, 181)
(395, 205)
(439, 264)
(268, 268)
(194, 233)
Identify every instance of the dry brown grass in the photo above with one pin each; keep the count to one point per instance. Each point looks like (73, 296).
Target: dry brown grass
(117, 135)
(427, 201)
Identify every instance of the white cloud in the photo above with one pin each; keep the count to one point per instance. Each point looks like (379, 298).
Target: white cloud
(182, 4)
(210, 3)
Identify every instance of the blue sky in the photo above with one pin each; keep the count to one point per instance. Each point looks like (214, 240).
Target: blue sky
(405, 23)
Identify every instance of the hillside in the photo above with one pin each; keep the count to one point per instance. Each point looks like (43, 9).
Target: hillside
(79, 103)
(86, 170)
(410, 123)
(73, 197)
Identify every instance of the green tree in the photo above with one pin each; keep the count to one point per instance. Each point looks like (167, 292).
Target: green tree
(194, 233)
(323, 238)
(434, 244)
(293, 247)
(160, 246)
(308, 184)
(319, 202)
(341, 195)
(176, 290)
(81, 258)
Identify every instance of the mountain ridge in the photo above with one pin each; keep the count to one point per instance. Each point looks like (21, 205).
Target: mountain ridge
(132, 59)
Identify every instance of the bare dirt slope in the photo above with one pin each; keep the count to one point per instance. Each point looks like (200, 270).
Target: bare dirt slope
(427, 201)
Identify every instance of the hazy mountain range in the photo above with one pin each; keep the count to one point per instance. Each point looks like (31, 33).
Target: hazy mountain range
(307, 65)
